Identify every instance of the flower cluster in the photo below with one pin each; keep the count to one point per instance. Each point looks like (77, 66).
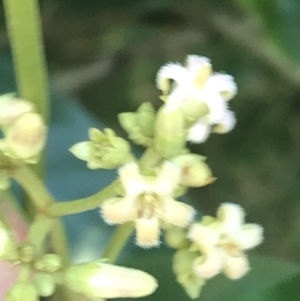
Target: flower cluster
(194, 84)
(146, 192)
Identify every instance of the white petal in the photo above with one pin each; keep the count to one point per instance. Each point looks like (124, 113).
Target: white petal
(167, 180)
(118, 210)
(172, 71)
(208, 266)
(177, 213)
(199, 132)
(226, 123)
(231, 217)
(195, 63)
(147, 232)
(224, 84)
(216, 104)
(132, 180)
(204, 235)
(250, 236)
(236, 267)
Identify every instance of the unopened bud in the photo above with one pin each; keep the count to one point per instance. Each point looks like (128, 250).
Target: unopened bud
(170, 134)
(175, 237)
(139, 125)
(49, 263)
(25, 138)
(45, 284)
(100, 280)
(7, 246)
(21, 292)
(25, 252)
(11, 108)
(195, 172)
(105, 150)
(183, 269)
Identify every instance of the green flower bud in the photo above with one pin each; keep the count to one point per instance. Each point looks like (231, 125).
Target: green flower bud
(11, 108)
(175, 237)
(49, 263)
(195, 172)
(146, 119)
(105, 150)
(25, 253)
(170, 134)
(7, 245)
(44, 284)
(183, 269)
(25, 138)
(21, 292)
(139, 125)
(99, 280)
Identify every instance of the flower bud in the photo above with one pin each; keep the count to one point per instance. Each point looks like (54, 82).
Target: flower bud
(7, 246)
(21, 292)
(195, 172)
(100, 280)
(139, 125)
(175, 237)
(25, 138)
(11, 108)
(170, 134)
(25, 252)
(49, 263)
(146, 119)
(105, 150)
(183, 269)
(44, 284)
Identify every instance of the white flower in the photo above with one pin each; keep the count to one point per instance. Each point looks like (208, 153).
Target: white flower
(147, 203)
(196, 81)
(223, 242)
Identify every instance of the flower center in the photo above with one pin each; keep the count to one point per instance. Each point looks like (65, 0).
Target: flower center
(147, 203)
(230, 247)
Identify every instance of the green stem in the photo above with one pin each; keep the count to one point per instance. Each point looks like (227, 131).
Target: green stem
(34, 187)
(24, 26)
(38, 231)
(118, 241)
(59, 241)
(24, 274)
(84, 204)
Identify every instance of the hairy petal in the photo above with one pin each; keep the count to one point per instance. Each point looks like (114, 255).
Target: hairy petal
(171, 71)
(224, 84)
(177, 213)
(231, 216)
(208, 266)
(236, 267)
(199, 132)
(147, 232)
(168, 179)
(118, 210)
(250, 236)
(132, 180)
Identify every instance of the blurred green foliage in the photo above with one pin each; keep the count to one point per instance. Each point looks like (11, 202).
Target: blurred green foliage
(107, 53)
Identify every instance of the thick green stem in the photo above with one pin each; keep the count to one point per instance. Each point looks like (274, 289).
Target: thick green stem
(24, 26)
(34, 187)
(59, 241)
(118, 241)
(84, 204)
(38, 231)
